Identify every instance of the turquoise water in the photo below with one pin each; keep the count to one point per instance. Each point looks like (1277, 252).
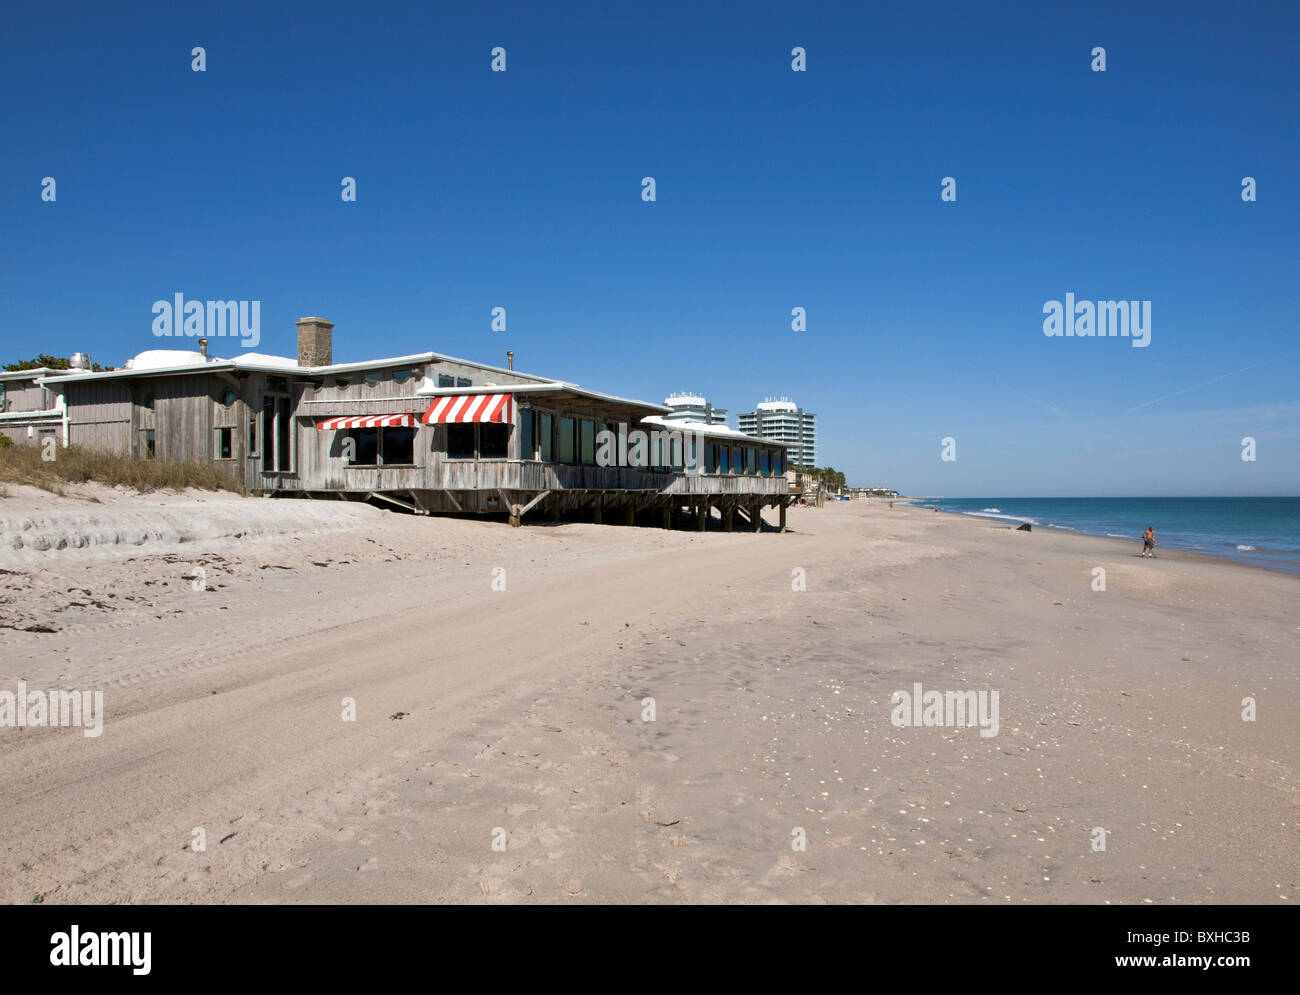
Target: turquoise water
(1262, 531)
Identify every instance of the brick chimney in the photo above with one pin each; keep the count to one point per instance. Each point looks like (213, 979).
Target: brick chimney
(315, 342)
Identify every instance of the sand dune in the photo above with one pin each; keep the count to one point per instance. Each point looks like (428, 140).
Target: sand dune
(485, 715)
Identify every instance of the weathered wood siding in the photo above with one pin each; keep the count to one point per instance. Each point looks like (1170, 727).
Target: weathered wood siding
(100, 415)
(20, 395)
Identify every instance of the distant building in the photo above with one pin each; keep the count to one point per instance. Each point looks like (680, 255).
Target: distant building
(784, 421)
(693, 408)
(30, 411)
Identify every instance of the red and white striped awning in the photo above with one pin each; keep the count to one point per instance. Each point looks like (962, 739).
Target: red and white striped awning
(469, 408)
(367, 421)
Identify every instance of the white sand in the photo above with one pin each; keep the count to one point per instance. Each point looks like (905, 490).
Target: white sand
(522, 710)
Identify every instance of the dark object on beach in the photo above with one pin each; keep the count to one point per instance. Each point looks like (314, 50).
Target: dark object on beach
(1025, 528)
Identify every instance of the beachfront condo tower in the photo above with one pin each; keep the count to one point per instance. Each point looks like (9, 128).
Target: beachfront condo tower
(693, 408)
(782, 420)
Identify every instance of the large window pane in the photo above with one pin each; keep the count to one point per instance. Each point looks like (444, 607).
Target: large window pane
(547, 440)
(460, 441)
(493, 440)
(283, 448)
(364, 447)
(588, 443)
(527, 440)
(724, 459)
(398, 445)
(566, 440)
(268, 434)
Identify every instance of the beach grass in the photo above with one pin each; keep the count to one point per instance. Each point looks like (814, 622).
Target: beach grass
(22, 464)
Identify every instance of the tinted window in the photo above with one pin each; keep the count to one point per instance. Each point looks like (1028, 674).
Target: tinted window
(589, 443)
(398, 445)
(566, 440)
(547, 433)
(365, 446)
(493, 440)
(460, 441)
(527, 442)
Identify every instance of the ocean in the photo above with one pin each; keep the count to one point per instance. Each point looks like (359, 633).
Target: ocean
(1263, 531)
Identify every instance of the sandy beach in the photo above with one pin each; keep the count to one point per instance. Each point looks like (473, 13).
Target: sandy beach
(227, 635)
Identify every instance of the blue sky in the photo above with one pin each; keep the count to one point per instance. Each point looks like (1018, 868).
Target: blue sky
(775, 189)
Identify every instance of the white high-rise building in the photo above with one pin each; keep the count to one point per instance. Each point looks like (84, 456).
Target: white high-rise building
(693, 408)
(784, 421)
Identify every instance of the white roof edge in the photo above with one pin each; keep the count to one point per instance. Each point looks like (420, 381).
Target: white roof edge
(35, 373)
(717, 431)
(533, 388)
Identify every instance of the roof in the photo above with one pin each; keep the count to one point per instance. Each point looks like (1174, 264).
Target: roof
(552, 386)
(175, 362)
(32, 374)
(172, 362)
(715, 431)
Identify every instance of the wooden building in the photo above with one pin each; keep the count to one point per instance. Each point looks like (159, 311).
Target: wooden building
(429, 433)
(30, 411)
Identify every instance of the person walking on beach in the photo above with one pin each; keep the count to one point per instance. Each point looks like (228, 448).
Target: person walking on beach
(1149, 542)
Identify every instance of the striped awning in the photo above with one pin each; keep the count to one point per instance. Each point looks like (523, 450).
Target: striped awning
(469, 408)
(367, 421)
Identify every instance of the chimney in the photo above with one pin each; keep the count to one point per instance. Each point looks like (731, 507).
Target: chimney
(510, 360)
(315, 342)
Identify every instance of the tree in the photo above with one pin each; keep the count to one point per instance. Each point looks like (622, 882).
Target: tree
(49, 362)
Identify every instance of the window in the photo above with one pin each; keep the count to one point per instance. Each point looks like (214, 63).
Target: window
(778, 463)
(147, 401)
(4, 401)
(342, 383)
(724, 459)
(225, 443)
(362, 447)
(374, 377)
(460, 441)
(588, 443)
(464, 382)
(446, 381)
(283, 449)
(397, 446)
(765, 463)
(228, 397)
(277, 434)
(547, 438)
(268, 434)
(527, 441)
(751, 460)
(566, 454)
(150, 448)
(493, 440)
(710, 458)
(401, 376)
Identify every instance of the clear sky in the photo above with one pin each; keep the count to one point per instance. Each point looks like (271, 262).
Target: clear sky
(775, 189)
